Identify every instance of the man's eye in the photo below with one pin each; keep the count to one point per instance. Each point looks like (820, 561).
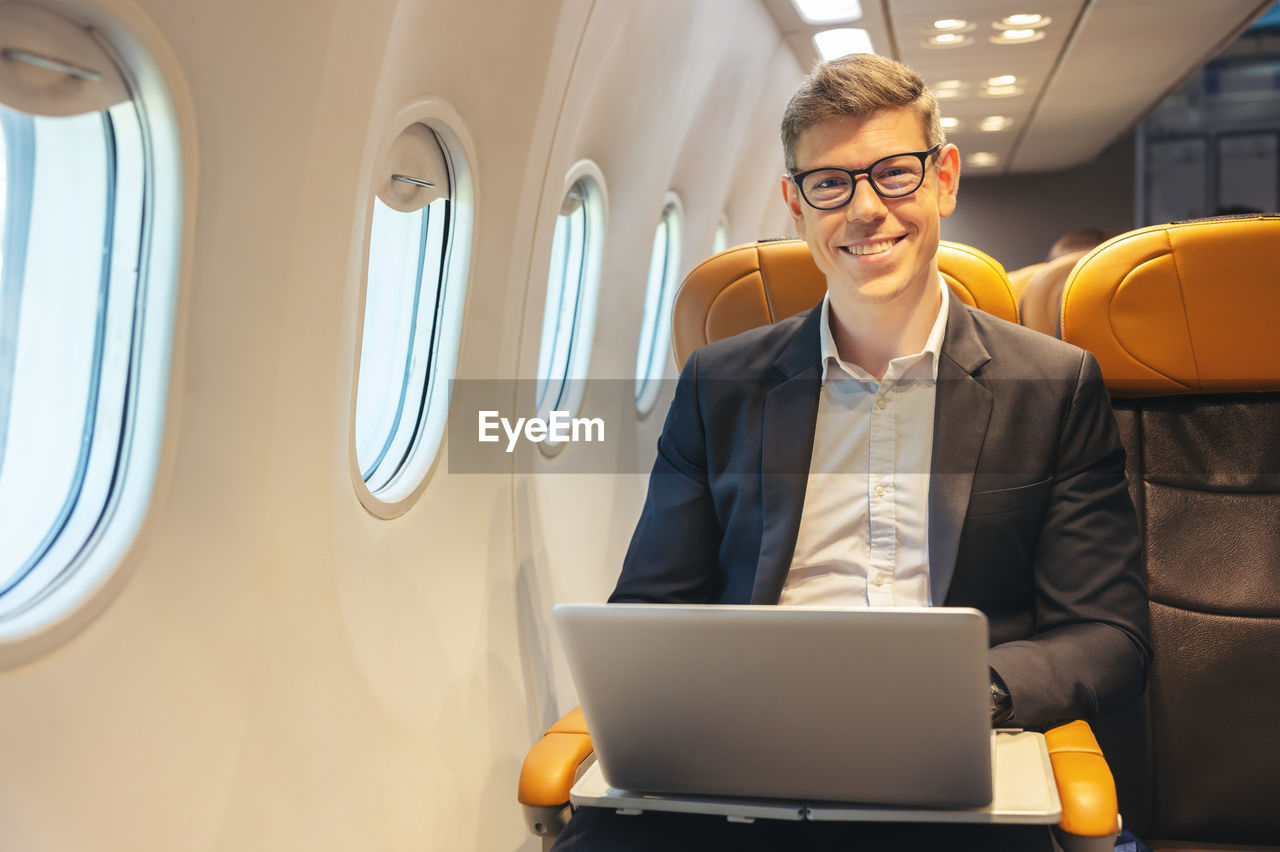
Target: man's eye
(893, 172)
(831, 183)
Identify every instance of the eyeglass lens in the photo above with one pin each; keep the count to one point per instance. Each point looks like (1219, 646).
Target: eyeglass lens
(893, 177)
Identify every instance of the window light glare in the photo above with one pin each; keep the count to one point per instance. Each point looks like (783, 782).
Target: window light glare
(949, 24)
(1002, 80)
(832, 44)
(92, 206)
(573, 286)
(412, 298)
(660, 291)
(829, 11)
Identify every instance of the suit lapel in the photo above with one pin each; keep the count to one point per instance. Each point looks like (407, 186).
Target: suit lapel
(962, 409)
(789, 416)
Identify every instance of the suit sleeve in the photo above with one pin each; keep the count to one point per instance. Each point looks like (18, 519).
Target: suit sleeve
(673, 553)
(1091, 650)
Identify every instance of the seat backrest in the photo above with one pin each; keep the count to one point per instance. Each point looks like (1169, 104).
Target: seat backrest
(1182, 320)
(760, 283)
(1040, 305)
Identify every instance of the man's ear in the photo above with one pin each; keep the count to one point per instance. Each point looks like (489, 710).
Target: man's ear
(948, 179)
(795, 204)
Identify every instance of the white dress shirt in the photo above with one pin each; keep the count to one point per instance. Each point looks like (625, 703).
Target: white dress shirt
(864, 528)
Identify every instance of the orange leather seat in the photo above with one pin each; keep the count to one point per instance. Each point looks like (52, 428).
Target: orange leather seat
(1182, 320)
(1183, 308)
(760, 283)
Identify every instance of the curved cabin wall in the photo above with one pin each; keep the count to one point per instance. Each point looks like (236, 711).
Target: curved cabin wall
(282, 670)
(668, 96)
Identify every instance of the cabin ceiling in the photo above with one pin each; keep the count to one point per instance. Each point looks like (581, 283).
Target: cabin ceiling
(1099, 67)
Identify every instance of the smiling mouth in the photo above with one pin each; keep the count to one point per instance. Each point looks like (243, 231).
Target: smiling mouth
(876, 247)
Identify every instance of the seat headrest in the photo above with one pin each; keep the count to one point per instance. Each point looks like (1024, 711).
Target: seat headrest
(1184, 308)
(759, 283)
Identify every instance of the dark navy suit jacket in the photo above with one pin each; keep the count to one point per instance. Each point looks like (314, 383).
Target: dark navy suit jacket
(1030, 518)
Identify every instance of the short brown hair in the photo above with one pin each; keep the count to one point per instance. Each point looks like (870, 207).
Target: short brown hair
(857, 85)
(1081, 240)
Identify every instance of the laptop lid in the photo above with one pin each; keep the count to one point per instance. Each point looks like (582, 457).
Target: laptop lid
(877, 705)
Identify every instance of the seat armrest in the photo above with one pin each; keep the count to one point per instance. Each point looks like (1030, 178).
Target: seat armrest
(1085, 784)
(552, 764)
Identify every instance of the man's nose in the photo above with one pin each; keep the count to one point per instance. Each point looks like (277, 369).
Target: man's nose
(866, 203)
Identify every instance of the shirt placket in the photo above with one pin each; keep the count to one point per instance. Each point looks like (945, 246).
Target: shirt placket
(881, 532)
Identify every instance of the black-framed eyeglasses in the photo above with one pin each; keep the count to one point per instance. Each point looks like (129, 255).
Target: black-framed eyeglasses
(894, 176)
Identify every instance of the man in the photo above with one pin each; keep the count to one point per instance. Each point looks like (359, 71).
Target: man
(893, 446)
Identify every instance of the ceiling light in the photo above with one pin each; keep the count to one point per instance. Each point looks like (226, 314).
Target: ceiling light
(949, 123)
(983, 158)
(950, 24)
(1002, 80)
(1024, 20)
(992, 123)
(1022, 36)
(1002, 91)
(949, 89)
(835, 43)
(828, 11)
(948, 40)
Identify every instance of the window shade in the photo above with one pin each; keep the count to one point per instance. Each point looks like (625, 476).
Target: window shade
(415, 158)
(51, 66)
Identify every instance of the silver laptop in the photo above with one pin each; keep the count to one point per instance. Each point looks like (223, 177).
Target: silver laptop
(887, 706)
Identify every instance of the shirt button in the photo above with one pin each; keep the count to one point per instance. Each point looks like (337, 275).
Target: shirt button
(879, 581)
(879, 489)
(881, 404)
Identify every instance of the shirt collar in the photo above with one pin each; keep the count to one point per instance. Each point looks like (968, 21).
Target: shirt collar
(931, 351)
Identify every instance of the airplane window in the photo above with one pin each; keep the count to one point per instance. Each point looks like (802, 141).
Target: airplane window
(572, 282)
(88, 243)
(720, 241)
(414, 289)
(655, 328)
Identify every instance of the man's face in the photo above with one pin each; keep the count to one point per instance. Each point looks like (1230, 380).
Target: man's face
(875, 250)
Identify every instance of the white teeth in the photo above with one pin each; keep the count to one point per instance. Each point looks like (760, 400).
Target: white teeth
(871, 248)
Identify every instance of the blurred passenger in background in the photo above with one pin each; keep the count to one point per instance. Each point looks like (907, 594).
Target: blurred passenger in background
(1081, 240)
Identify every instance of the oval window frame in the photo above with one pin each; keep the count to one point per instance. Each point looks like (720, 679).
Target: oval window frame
(648, 387)
(403, 490)
(571, 387)
(166, 115)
